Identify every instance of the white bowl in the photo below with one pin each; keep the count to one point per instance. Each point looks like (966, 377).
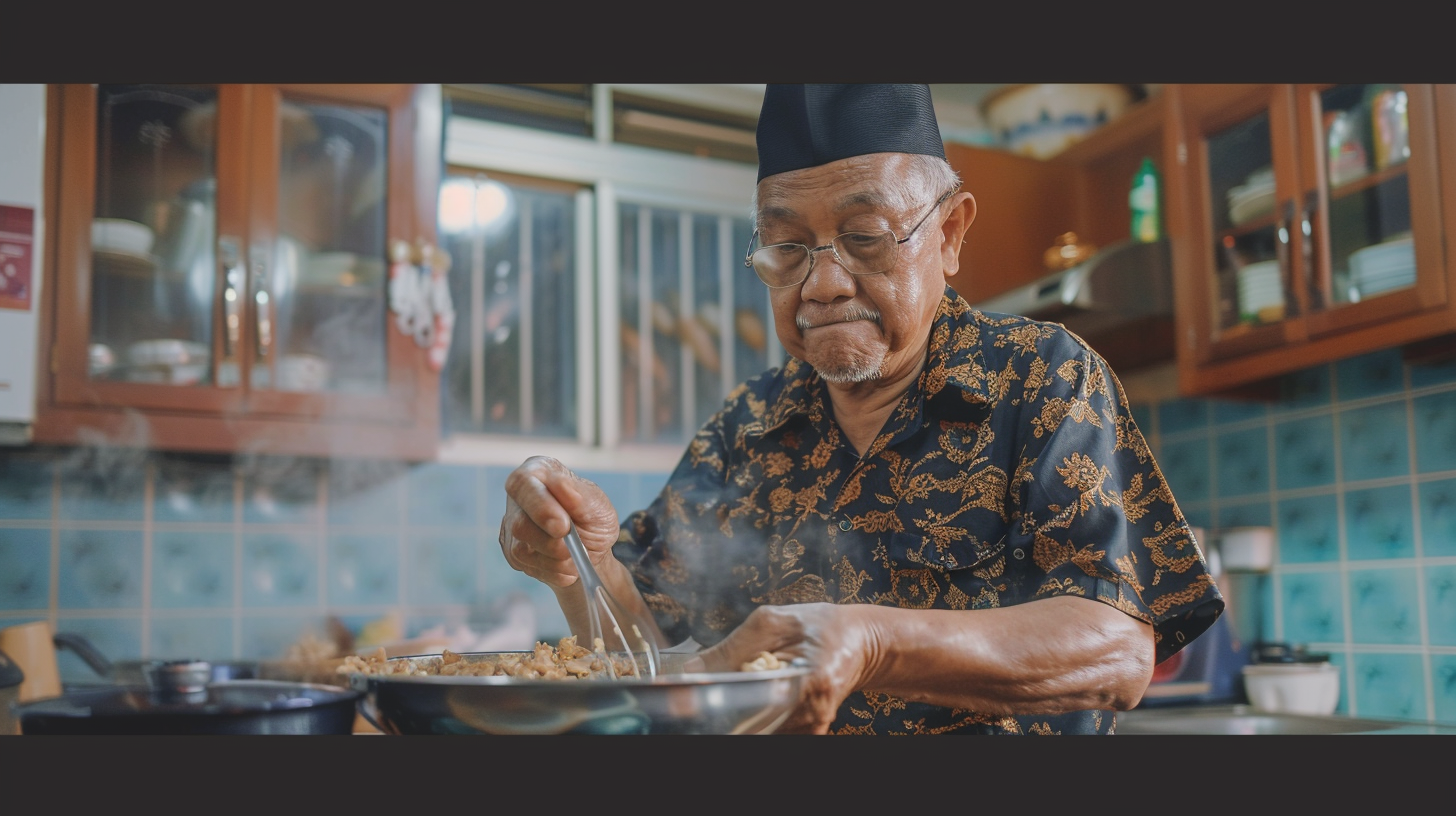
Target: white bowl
(1042, 120)
(121, 235)
(1293, 688)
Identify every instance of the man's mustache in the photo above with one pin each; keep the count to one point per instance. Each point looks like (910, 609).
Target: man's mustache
(803, 321)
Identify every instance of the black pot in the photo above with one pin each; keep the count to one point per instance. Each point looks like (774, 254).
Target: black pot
(181, 699)
(10, 679)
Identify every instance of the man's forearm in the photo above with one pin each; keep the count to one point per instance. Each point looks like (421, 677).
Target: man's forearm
(1052, 655)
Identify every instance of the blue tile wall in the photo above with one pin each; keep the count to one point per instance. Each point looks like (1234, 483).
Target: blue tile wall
(25, 569)
(1354, 465)
(1379, 523)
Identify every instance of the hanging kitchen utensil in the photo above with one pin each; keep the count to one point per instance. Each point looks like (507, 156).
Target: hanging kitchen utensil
(419, 296)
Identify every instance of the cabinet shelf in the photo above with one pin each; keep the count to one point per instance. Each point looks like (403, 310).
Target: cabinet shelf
(120, 262)
(1367, 181)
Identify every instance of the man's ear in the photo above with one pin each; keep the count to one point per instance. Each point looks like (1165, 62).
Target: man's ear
(953, 231)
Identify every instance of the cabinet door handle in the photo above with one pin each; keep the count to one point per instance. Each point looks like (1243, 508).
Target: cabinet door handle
(232, 268)
(1282, 250)
(262, 302)
(1306, 229)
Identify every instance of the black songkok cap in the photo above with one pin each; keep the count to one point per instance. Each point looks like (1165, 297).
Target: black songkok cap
(808, 125)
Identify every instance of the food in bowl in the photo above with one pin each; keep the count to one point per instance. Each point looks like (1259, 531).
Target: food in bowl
(675, 701)
(564, 661)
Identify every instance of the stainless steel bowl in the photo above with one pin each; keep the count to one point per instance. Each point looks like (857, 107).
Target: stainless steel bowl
(674, 702)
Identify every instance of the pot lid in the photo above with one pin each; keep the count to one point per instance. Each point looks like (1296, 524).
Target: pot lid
(220, 699)
(10, 673)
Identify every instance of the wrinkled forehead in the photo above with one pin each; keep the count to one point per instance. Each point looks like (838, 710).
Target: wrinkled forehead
(874, 182)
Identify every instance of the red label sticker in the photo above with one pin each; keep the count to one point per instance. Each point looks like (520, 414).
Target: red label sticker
(17, 234)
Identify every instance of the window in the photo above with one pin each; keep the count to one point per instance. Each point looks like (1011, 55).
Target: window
(600, 295)
(512, 366)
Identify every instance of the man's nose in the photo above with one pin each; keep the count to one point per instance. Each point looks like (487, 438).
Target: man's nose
(826, 281)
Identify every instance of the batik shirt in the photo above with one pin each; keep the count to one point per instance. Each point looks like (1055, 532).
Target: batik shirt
(1010, 471)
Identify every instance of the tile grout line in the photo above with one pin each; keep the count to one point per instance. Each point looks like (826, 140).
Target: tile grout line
(1342, 548)
(1417, 534)
(237, 576)
(53, 591)
(149, 492)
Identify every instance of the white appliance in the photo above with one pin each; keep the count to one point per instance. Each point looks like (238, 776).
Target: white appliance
(22, 149)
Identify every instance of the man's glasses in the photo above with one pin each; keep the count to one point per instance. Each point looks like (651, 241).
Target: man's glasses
(860, 253)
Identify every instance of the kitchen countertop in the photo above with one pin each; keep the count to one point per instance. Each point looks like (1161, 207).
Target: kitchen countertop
(1244, 719)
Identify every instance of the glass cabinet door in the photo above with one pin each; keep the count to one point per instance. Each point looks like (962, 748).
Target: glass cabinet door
(333, 197)
(325, 330)
(152, 284)
(1243, 219)
(141, 181)
(1372, 206)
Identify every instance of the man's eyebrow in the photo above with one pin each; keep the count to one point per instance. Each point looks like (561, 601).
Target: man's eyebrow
(861, 198)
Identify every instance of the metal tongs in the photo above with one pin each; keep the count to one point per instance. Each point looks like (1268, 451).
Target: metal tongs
(641, 651)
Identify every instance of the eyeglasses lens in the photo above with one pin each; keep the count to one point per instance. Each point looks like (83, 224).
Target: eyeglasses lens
(860, 253)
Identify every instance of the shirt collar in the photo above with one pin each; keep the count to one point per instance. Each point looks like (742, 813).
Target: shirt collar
(954, 360)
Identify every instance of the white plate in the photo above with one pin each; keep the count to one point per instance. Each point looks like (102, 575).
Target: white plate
(1258, 272)
(1397, 254)
(1251, 204)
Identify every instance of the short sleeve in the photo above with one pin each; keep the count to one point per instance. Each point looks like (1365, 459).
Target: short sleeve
(1092, 509)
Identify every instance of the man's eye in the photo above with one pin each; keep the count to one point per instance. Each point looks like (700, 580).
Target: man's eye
(861, 239)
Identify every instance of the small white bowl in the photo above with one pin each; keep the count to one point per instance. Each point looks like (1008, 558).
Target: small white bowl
(1293, 688)
(121, 235)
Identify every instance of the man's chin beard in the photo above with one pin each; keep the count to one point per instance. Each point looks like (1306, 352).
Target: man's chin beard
(850, 372)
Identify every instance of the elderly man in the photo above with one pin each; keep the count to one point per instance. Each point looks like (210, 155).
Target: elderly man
(950, 515)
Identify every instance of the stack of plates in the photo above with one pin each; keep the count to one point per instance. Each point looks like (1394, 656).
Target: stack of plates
(1384, 266)
(1253, 198)
(1259, 290)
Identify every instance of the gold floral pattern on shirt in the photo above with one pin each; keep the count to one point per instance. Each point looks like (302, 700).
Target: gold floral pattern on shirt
(1011, 470)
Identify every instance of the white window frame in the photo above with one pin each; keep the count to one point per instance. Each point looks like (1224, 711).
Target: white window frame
(612, 173)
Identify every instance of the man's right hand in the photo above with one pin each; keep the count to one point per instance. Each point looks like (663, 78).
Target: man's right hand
(543, 500)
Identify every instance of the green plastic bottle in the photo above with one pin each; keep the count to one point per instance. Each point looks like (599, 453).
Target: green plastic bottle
(1145, 201)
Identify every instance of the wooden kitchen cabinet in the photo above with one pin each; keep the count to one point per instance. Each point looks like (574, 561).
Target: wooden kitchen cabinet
(1308, 225)
(1025, 204)
(221, 262)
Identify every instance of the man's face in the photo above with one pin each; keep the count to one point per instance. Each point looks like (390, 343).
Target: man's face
(855, 328)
